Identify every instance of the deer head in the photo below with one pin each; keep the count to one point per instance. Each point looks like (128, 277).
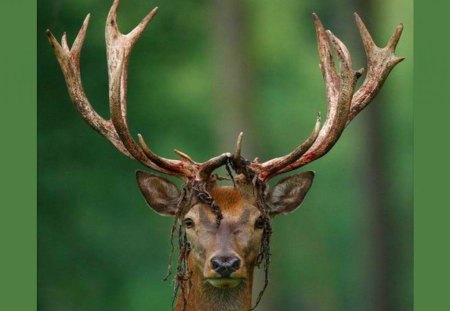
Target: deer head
(225, 225)
(224, 231)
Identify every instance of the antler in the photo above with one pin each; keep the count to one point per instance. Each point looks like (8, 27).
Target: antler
(119, 47)
(343, 104)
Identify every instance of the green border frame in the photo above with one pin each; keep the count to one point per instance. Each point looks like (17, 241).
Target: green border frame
(431, 111)
(18, 156)
(18, 163)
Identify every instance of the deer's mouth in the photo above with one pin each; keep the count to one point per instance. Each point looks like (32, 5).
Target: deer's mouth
(225, 282)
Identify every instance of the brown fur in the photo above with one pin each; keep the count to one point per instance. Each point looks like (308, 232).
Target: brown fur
(204, 297)
(228, 198)
(237, 236)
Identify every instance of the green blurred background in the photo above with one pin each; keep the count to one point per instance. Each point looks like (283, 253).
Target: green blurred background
(202, 72)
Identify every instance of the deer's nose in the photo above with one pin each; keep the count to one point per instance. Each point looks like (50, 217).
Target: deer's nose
(225, 265)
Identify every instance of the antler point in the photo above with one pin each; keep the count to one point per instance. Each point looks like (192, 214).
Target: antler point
(317, 21)
(183, 156)
(86, 19)
(398, 59)
(237, 153)
(53, 42)
(154, 11)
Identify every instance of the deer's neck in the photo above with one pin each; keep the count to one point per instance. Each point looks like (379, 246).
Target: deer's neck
(205, 297)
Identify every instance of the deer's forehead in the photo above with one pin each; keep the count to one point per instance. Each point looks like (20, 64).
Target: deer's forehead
(231, 198)
(234, 206)
(205, 213)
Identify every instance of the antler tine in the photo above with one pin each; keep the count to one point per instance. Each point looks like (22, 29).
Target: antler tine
(380, 62)
(326, 64)
(118, 49)
(168, 164)
(344, 105)
(69, 61)
(237, 152)
(118, 43)
(239, 163)
(206, 168)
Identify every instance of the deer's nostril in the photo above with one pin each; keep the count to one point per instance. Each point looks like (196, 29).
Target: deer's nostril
(224, 266)
(235, 263)
(215, 264)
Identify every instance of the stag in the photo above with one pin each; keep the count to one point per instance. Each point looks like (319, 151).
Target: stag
(224, 230)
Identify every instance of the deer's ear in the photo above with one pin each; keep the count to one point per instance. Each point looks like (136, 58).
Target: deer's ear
(289, 193)
(159, 193)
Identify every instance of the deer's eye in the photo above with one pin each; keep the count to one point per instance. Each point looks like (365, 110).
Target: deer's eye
(259, 223)
(189, 223)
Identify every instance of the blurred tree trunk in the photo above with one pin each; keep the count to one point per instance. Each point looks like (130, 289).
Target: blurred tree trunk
(376, 193)
(378, 203)
(234, 91)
